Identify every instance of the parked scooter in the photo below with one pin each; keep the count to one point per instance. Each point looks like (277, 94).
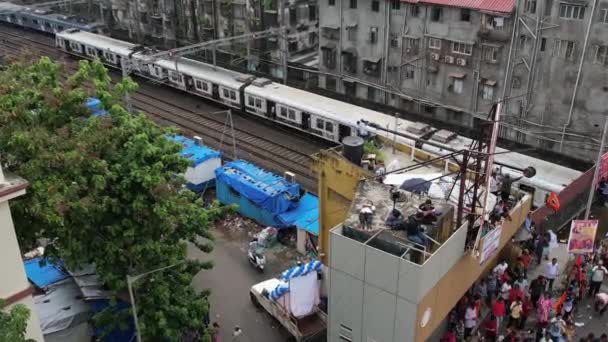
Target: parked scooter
(255, 254)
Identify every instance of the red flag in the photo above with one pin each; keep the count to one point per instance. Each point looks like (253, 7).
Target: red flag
(553, 202)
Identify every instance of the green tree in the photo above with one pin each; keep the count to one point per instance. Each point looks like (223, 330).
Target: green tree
(14, 323)
(104, 191)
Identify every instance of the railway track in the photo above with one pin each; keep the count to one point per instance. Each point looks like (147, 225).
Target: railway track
(270, 146)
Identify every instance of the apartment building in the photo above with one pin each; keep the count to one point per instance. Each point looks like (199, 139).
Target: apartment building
(181, 22)
(451, 60)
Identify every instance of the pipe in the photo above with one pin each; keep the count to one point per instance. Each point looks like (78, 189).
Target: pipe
(578, 74)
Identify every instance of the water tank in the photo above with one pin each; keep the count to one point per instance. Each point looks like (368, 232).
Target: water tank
(353, 149)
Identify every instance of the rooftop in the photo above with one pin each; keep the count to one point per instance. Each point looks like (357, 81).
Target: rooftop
(501, 6)
(11, 187)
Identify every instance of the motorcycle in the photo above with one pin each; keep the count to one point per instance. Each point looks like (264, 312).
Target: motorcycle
(256, 256)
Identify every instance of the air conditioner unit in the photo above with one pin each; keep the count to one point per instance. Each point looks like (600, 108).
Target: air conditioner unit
(198, 140)
(434, 56)
(449, 59)
(461, 61)
(289, 176)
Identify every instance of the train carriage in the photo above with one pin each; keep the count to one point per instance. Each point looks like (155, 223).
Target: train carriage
(85, 44)
(44, 20)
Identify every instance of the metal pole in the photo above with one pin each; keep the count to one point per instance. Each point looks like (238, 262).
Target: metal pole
(233, 137)
(133, 309)
(283, 37)
(125, 75)
(597, 170)
(395, 134)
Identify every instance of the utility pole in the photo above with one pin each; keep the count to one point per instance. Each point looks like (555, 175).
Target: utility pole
(130, 281)
(598, 165)
(283, 37)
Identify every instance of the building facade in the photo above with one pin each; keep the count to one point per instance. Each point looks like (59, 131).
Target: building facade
(14, 287)
(181, 22)
(451, 60)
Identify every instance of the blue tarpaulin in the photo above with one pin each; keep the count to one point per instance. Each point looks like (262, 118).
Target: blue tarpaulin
(305, 216)
(43, 276)
(264, 189)
(195, 153)
(94, 105)
(115, 335)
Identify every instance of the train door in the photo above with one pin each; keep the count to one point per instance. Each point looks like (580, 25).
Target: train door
(305, 120)
(215, 91)
(344, 131)
(189, 83)
(270, 109)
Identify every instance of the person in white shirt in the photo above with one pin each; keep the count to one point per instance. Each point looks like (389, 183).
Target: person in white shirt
(601, 302)
(551, 272)
(597, 277)
(501, 268)
(362, 129)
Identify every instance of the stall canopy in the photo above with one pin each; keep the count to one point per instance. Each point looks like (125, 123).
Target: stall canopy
(305, 216)
(196, 154)
(261, 187)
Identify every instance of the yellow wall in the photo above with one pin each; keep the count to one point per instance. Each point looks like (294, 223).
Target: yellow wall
(338, 180)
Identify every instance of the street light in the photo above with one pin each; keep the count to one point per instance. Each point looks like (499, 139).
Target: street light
(130, 281)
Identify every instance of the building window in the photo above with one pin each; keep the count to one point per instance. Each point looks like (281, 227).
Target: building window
(371, 68)
(350, 61)
(331, 2)
(312, 12)
(414, 10)
(564, 49)
(488, 92)
(601, 54)
(330, 83)
(530, 6)
(490, 54)
(465, 14)
(373, 35)
(394, 41)
(411, 45)
(353, 4)
(293, 17)
(567, 11)
(371, 93)
(408, 71)
(462, 48)
(375, 5)
(548, 7)
(352, 34)
(457, 85)
(329, 58)
(436, 13)
(434, 43)
(543, 44)
(396, 5)
(604, 15)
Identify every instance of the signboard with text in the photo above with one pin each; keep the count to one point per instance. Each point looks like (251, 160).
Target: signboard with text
(489, 244)
(582, 236)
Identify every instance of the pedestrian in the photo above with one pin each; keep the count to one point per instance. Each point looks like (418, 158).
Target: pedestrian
(567, 308)
(450, 335)
(470, 320)
(492, 285)
(537, 287)
(527, 309)
(604, 337)
(556, 328)
(601, 302)
(541, 244)
(526, 259)
(543, 308)
(501, 268)
(597, 277)
(215, 332)
(491, 328)
(237, 333)
(459, 329)
(551, 272)
(362, 129)
(366, 214)
(515, 316)
(522, 283)
(481, 290)
(498, 310)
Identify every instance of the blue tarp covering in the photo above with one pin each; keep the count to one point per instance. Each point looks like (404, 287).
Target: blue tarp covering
(116, 335)
(94, 105)
(195, 153)
(264, 189)
(305, 216)
(43, 276)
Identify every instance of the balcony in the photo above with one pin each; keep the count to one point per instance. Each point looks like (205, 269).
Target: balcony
(491, 34)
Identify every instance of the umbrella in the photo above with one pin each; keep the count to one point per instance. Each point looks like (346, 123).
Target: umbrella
(416, 185)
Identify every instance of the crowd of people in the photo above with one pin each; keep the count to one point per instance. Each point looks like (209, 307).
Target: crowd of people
(506, 306)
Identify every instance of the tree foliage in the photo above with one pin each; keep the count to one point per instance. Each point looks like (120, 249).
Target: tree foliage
(13, 323)
(104, 190)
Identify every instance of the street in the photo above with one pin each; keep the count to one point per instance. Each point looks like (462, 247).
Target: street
(229, 282)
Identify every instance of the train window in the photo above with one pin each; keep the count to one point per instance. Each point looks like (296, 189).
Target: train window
(283, 112)
(233, 95)
(320, 123)
(329, 126)
(202, 86)
(60, 28)
(110, 57)
(24, 19)
(226, 93)
(35, 21)
(176, 77)
(258, 103)
(251, 101)
(91, 51)
(292, 114)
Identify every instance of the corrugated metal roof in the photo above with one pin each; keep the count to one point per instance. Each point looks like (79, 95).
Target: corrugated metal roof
(502, 6)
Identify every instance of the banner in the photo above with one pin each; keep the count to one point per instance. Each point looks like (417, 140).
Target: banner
(582, 236)
(489, 244)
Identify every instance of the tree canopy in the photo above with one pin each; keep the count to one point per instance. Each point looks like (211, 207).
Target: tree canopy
(104, 190)
(13, 323)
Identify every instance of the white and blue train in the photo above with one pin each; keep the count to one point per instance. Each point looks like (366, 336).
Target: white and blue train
(45, 20)
(298, 109)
